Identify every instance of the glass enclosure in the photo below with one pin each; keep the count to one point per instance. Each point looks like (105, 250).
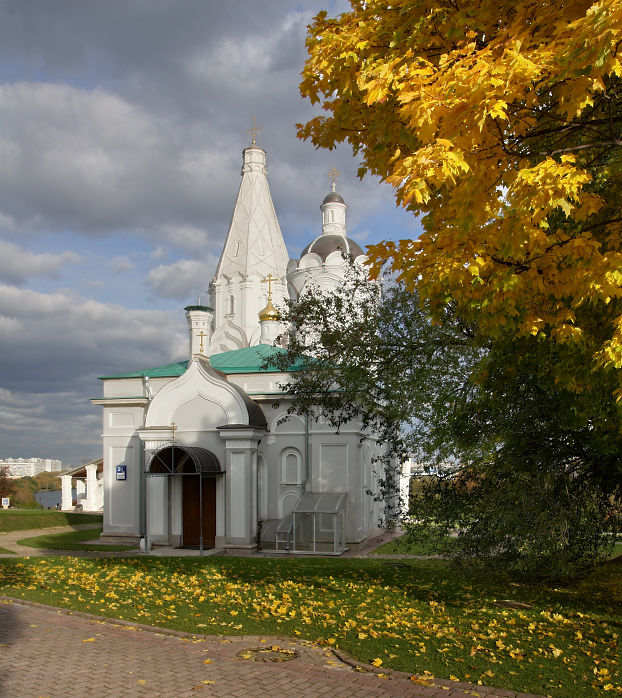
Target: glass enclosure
(317, 524)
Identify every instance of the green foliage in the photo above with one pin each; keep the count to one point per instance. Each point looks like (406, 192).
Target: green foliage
(367, 352)
(525, 465)
(422, 616)
(7, 487)
(25, 488)
(538, 478)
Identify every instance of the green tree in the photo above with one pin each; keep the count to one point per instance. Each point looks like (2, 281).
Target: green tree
(7, 488)
(527, 472)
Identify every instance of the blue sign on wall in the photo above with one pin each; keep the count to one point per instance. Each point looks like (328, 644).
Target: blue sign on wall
(121, 472)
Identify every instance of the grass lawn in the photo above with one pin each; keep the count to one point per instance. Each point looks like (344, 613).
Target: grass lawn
(401, 546)
(28, 519)
(72, 540)
(4, 551)
(417, 616)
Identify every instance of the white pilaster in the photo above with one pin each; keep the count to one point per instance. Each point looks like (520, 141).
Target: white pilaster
(91, 487)
(240, 486)
(66, 498)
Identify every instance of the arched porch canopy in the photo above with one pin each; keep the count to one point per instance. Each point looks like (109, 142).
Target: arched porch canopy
(175, 459)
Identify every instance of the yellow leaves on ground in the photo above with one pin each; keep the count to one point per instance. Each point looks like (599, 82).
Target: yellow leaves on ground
(89, 639)
(419, 617)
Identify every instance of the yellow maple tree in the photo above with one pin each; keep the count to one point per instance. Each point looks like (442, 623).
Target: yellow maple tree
(500, 123)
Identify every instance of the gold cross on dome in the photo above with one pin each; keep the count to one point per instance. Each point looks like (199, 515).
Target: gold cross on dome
(201, 335)
(334, 174)
(254, 131)
(173, 427)
(268, 280)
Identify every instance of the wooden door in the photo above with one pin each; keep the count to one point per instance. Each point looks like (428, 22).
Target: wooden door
(191, 510)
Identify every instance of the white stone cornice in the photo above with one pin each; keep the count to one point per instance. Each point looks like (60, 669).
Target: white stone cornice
(120, 401)
(242, 438)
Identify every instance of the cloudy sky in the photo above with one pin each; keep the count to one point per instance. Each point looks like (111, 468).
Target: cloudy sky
(121, 130)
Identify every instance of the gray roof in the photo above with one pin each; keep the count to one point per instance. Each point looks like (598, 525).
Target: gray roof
(325, 245)
(333, 198)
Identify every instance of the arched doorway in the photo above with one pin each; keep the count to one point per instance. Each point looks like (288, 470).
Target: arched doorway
(198, 468)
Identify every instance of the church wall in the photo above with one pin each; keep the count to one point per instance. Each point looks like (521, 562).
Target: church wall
(337, 463)
(156, 384)
(122, 497)
(123, 387)
(122, 447)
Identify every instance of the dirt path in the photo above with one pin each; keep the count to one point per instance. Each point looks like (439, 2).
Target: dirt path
(9, 541)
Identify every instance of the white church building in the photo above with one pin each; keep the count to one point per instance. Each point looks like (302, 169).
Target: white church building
(194, 452)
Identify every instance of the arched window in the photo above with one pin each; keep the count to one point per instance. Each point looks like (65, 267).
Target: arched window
(291, 467)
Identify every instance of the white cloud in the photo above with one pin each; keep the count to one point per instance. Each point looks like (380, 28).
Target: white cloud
(53, 348)
(181, 280)
(94, 162)
(119, 264)
(53, 341)
(361, 235)
(18, 264)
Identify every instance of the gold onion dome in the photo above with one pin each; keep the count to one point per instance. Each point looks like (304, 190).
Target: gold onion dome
(269, 312)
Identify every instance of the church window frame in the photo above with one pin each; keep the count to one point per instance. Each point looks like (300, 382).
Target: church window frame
(291, 468)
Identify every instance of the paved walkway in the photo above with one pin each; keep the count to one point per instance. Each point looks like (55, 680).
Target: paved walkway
(55, 653)
(52, 653)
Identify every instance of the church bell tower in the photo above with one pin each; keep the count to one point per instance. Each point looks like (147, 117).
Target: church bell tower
(254, 251)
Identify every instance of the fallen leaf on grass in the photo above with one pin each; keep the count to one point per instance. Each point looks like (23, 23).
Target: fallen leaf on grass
(377, 661)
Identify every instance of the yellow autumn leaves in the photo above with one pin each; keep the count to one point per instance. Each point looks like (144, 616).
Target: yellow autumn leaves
(415, 619)
(499, 122)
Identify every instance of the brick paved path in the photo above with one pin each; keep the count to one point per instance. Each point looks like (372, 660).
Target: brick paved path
(49, 653)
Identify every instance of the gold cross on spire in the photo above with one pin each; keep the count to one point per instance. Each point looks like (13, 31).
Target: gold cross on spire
(268, 280)
(173, 427)
(334, 174)
(201, 335)
(254, 131)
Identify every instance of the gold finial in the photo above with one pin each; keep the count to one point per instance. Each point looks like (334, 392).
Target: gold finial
(201, 335)
(269, 312)
(334, 174)
(268, 280)
(254, 131)
(173, 427)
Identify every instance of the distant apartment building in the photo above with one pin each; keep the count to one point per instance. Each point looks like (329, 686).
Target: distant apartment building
(29, 467)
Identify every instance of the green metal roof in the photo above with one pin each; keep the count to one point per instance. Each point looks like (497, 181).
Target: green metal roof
(247, 360)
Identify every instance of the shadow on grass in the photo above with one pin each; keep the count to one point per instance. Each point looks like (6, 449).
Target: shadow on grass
(71, 540)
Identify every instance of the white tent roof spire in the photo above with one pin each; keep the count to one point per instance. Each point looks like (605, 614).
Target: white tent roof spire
(254, 241)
